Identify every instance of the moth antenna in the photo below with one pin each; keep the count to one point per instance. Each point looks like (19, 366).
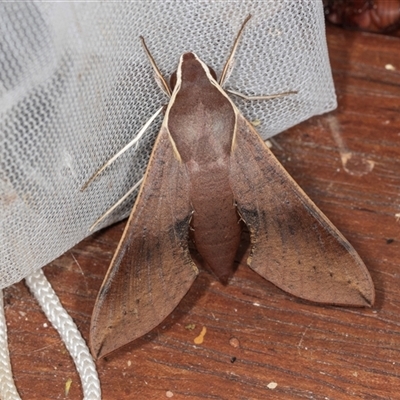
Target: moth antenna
(266, 97)
(227, 70)
(120, 201)
(159, 77)
(130, 144)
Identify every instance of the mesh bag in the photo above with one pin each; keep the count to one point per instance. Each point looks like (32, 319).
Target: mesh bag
(76, 86)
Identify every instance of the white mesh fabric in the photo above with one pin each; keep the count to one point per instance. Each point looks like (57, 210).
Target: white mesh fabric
(75, 87)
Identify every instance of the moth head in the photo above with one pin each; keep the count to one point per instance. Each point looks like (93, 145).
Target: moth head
(189, 61)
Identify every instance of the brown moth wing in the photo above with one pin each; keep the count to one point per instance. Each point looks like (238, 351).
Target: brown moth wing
(152, 269)
(294, 245)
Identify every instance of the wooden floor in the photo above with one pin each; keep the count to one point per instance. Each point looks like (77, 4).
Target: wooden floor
(260, 343)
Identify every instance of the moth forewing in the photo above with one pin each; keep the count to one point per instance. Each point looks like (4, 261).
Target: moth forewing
(295, 246)
(152, 269)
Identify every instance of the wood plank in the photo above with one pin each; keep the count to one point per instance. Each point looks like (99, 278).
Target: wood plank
(349, 164)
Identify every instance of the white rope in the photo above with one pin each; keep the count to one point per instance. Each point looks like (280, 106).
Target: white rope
(8, 391)
(60, 319)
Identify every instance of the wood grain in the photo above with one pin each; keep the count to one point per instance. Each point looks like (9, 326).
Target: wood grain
(348, 162)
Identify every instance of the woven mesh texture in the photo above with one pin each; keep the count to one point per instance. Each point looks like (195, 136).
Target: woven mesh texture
(76, 86)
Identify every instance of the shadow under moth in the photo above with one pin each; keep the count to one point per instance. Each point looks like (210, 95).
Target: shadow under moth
(209, 173)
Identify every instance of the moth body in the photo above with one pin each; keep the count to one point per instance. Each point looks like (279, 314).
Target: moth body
(204, 143)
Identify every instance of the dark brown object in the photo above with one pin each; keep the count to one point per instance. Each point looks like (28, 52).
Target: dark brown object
(381, 16)
(209, 168)
(310, 351)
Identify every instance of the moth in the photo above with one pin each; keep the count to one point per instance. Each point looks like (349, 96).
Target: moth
(209, 173)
